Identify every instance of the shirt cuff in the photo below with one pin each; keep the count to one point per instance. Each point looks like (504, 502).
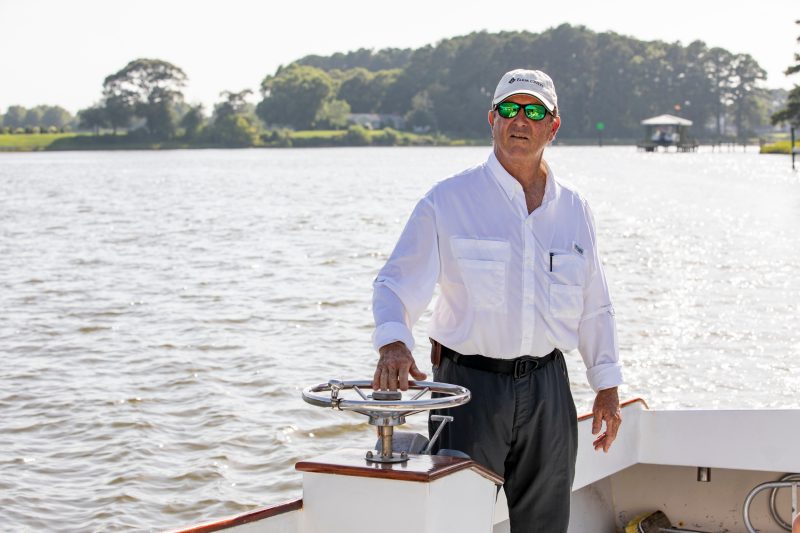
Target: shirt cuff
(390, 332)
(604, 376)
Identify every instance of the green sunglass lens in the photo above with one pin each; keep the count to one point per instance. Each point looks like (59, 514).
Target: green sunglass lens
(508, 109)
(535, 111)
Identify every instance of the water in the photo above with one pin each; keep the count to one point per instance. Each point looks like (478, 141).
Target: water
(161, 311)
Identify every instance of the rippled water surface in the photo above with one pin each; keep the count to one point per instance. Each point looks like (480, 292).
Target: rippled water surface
(161, 311)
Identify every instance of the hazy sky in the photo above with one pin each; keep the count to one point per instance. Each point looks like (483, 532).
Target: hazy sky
(59, 52)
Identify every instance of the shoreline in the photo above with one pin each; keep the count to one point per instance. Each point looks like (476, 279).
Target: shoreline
(17, 143)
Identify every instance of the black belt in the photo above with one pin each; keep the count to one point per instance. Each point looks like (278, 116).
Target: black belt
(519, 367)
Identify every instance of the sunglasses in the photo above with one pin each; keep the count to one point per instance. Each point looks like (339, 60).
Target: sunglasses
(534, 112)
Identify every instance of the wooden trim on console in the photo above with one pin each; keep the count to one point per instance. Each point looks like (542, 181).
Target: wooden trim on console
(624, 404)
(233, 521)
(421, 468)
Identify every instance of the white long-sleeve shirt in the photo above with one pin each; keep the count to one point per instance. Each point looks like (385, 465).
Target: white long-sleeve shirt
(511, 283)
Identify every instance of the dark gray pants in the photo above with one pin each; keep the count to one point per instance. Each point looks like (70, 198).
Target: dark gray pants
(526, 430)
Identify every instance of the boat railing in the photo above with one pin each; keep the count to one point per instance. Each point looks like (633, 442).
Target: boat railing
(788, 481)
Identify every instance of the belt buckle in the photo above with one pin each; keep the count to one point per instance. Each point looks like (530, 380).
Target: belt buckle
(523, 367)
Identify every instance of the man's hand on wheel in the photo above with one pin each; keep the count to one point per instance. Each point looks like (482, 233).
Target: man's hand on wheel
(394, 366)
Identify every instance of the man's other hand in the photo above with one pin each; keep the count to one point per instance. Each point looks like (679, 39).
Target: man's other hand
(394, 365)
(606, 408)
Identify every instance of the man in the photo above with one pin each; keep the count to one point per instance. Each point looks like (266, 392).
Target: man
(514, 253)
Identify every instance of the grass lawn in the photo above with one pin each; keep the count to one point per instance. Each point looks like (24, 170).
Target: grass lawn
(306, 138)
(780, 147)
(27, 142)
(317, 134)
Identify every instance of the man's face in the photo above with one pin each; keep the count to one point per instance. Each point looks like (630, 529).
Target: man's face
(520, 139)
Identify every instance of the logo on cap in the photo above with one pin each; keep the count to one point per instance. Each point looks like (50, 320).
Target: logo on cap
(512, 80)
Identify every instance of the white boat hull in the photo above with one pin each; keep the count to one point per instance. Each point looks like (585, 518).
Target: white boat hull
(652, 466)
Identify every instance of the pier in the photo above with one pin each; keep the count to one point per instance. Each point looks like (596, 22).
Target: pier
(665, 131)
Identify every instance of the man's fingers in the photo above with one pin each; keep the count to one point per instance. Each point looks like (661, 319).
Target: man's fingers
(613, 421)
(603, 441)
(597, 423)
(416, 373)
(384, 381)
(392, 373)
(607, 442)
(612, 425)
(376, 378)
(403, 378)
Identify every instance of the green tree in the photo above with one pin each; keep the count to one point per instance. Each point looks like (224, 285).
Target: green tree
(695, 93)
(746, 97)
(294, 96)
(193, 121)
(719, 73)
(791, 113)
(93, 118)
(357, 136)
(235, 131)
(421, 118)
(386, 59)
(365, 91)
(56, 117)
(794, 69)
(15, 117)
(333, 114)
(382, 83)
(33, 117)
(147, 88)
(234, 123)
(355, 90)
(233, 104)
(118, 111)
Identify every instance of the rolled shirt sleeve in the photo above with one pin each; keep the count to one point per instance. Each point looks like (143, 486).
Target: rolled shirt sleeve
(597, 332)
(404, 286)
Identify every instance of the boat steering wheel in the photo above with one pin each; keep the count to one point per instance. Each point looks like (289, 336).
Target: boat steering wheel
(387, 409)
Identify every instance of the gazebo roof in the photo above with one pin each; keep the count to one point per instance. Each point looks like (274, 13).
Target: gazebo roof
(666, 120)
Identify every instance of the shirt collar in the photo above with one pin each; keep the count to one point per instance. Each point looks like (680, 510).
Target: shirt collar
(512, 187)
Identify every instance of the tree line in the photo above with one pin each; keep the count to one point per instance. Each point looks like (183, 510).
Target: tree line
(600, 77)
(42, 118)
(791, 112)
(446, 88)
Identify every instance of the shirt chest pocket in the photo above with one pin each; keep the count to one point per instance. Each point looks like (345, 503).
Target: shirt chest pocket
(567, 277)
(483, 265)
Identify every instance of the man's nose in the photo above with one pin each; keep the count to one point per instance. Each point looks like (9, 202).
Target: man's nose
(521, 117)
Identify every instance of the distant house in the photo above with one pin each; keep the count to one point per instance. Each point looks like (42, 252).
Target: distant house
(665, 131)
(375, 121)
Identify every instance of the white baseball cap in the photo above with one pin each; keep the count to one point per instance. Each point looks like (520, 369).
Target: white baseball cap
(533, 82)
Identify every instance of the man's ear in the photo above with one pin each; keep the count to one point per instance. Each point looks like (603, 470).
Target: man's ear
(491, 118)
(554, 127)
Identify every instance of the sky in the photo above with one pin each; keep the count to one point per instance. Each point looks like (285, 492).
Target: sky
(58, 52)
